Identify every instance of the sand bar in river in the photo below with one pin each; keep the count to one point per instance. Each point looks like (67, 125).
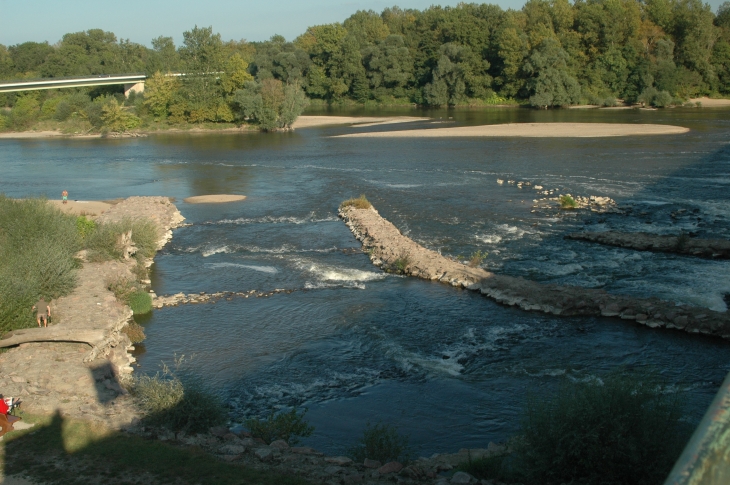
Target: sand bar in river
(536, 130)
(214, 199)
(314, 121)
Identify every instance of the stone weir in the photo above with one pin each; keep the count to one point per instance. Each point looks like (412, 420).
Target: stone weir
(392, 251)
(682, 244)
(75, 364)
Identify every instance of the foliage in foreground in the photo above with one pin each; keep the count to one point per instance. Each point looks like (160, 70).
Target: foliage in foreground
(135, 332)
(83, 452)
(177, 401)
(37, 247)
(287, 426)
(626, 431)
(358, 203)
(383, 443)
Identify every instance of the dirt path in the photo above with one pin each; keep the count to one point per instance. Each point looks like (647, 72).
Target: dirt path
(391, 250)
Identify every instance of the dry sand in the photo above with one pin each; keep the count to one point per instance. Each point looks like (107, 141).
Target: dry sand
(214, 199)
(313, 121)
(712, 103)
(536, 130)
(91, 208)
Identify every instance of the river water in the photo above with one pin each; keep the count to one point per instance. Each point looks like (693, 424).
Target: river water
(354, 345)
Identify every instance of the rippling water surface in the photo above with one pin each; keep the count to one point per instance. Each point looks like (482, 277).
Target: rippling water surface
(353, 344)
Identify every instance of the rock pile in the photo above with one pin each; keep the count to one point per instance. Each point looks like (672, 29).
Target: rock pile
(392, 251)
(641, 241)
(203, 297)
(318, 468)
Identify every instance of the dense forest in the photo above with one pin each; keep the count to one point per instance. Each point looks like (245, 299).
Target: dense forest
(550, 53)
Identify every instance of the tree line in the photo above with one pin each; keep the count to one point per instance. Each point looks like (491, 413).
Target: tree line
(549, 53)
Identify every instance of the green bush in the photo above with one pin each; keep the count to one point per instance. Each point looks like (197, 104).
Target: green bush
(37, 247)
(623, 432)
(477, 258)
(567, 202)
(73, 103)
(141, 302)
(287, 426)
(177, 404)
(358, 203)
(85, 226)
(383, 443)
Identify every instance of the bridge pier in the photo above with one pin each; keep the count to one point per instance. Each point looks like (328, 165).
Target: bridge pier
(133, 87)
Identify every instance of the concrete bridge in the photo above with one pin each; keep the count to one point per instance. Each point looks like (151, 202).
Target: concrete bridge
(131, 82)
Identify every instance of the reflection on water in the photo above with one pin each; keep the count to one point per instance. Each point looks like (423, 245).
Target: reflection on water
(353, 344)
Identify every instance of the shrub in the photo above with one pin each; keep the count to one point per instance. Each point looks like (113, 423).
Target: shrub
(73, 103)
(37, 247)
(567, 202)
(358, 203)
(287, 426)
(140, 301)
(383, 443)
(682, 241)
(135, 332)
(609, 102)
(477, 258)
(625, 431)
(177, 404)
(85, 226)
(400, 265)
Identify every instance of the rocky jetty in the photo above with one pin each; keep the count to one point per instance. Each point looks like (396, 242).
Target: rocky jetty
(203, 297)
(76, 364)
(392, 251)
(641, 241)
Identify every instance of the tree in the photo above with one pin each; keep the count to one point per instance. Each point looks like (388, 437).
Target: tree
(458, 75)
(117, 119)
(550, 84)
(159, 93)
(164, 56)
(203, 60)
(270, 103)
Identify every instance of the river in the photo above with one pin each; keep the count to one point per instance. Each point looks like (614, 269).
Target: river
(448, 367)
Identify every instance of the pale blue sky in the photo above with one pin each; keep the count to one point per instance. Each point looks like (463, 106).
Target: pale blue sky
(141, 21)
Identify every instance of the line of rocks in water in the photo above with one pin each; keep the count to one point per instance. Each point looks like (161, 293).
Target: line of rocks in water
(203, 297)
(392, 251)
(642, 241)
(241, 448)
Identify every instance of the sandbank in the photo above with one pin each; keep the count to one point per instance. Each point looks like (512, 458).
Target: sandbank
(314, 121)
(533, 130)
(91, 208)
(214, 199)
(711, 103)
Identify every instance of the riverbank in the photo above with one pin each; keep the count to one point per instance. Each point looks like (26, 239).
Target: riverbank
(390, 250)
(531, 130)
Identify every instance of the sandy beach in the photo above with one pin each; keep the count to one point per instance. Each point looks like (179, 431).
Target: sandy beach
(711, 103)
(533, 130)
(361, 121)
(214, 199)
(90, 208)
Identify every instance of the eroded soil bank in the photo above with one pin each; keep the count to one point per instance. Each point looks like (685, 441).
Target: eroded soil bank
(392, 251)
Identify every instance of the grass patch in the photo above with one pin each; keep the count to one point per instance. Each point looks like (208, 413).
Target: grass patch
(103, 243)
(682, 241)
(135, 332)
(177, 403)
(383, 443)
(59, 450)
(287, 426)
(567, 202)
(141, 302)
(623, 432)
(37, 247)
(400, 265)
(358, 203)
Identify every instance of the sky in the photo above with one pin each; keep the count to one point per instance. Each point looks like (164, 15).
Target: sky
(141, 21)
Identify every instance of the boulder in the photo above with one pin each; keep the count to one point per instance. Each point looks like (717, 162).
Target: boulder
(391, 467)
(264, 454)
(461, 478)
